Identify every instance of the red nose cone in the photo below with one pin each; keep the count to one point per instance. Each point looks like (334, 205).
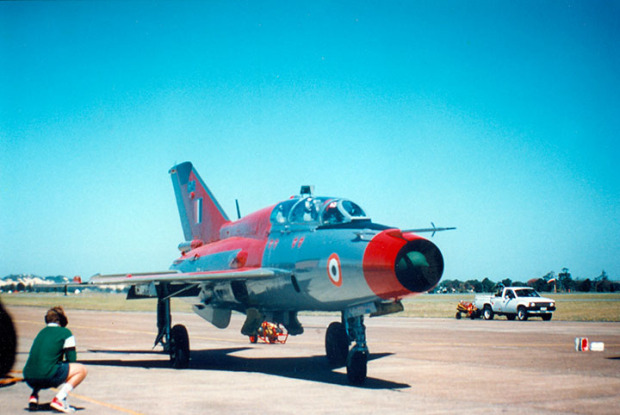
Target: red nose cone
(396, 265)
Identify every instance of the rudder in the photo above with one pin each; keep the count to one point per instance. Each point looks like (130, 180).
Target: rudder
(201, 214)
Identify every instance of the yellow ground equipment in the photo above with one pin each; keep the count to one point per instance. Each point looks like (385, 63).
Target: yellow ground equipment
(465, 307)
(270, 333)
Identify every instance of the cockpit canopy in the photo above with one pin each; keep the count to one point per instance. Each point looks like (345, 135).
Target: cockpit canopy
(316, 211)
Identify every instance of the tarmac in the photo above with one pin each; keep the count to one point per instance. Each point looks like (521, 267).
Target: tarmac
(430, 366)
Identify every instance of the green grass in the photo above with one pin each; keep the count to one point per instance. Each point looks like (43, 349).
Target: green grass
(570, 307)
(88, 301)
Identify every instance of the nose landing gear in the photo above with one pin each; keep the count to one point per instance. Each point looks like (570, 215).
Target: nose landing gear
(337, 340)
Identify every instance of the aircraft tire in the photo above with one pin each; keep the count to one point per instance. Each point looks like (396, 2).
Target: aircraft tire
(336, 344)
(357, 367)
(179, 347)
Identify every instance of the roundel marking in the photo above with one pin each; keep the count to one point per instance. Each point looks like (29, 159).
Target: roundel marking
(334, 272)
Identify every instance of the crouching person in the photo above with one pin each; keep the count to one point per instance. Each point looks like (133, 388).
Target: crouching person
(51, 362)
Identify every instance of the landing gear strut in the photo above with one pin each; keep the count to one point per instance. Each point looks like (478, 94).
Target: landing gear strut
(174, 339)
(337, 340)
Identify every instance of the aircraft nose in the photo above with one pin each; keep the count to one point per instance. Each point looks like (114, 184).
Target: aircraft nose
(397, 264)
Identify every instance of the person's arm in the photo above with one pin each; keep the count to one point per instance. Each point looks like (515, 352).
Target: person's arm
(69, 349)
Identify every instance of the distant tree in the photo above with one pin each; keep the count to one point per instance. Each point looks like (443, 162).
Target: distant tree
(602, 283)
(474, 285)
(488, 285)
(584, 286)
(539, 284)
(507, 282)
(565, 280)
(602, 277)
(603, 286)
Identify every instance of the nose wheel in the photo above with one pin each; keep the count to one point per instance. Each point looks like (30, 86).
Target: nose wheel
(357, 363)
(337, 340)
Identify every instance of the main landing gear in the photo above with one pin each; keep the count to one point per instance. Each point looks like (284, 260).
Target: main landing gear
(175, 340)
(337, 340)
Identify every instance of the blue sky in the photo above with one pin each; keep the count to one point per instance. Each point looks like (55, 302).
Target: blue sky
(498, 117)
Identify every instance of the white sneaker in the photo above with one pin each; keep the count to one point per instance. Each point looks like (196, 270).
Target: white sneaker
(62, 406)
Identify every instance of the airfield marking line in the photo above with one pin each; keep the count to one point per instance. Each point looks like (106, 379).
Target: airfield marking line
(105, 404)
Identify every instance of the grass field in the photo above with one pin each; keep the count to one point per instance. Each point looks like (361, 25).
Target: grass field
(570, 307)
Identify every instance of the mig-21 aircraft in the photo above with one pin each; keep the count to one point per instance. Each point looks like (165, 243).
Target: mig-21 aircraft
(305, 253)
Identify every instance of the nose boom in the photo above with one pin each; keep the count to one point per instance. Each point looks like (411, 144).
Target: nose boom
(396, 265)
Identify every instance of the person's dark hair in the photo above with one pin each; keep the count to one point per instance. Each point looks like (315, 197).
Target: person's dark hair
(56, 315)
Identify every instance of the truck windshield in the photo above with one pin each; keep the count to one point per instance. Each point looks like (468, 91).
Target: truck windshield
(527, 293)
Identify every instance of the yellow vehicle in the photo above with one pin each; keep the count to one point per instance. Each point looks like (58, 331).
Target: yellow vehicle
(465, 307)
(270, 333)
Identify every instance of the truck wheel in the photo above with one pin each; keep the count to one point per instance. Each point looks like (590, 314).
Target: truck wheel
(487, 313)
(547, 317)
(522, 314)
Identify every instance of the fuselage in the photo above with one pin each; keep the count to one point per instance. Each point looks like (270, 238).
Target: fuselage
(328, 254)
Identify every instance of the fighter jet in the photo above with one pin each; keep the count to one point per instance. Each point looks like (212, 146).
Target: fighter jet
(305, 253)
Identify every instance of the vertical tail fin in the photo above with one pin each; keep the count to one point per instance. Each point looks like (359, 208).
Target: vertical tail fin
(201, 215)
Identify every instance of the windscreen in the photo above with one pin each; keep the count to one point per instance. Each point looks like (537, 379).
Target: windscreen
(527, 293)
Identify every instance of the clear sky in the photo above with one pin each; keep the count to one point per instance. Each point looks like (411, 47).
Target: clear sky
(498, 117)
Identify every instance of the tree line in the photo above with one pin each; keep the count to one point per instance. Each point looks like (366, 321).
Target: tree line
(550, 282)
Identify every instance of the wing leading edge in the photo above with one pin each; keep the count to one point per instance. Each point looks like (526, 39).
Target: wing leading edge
(187, 277)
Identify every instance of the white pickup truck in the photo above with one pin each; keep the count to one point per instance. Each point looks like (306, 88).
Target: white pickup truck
(521, 302)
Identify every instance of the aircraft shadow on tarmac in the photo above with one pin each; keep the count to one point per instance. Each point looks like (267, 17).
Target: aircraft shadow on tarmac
(312, 368)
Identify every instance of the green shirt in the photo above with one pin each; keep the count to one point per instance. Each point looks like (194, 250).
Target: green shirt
(48, 349)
